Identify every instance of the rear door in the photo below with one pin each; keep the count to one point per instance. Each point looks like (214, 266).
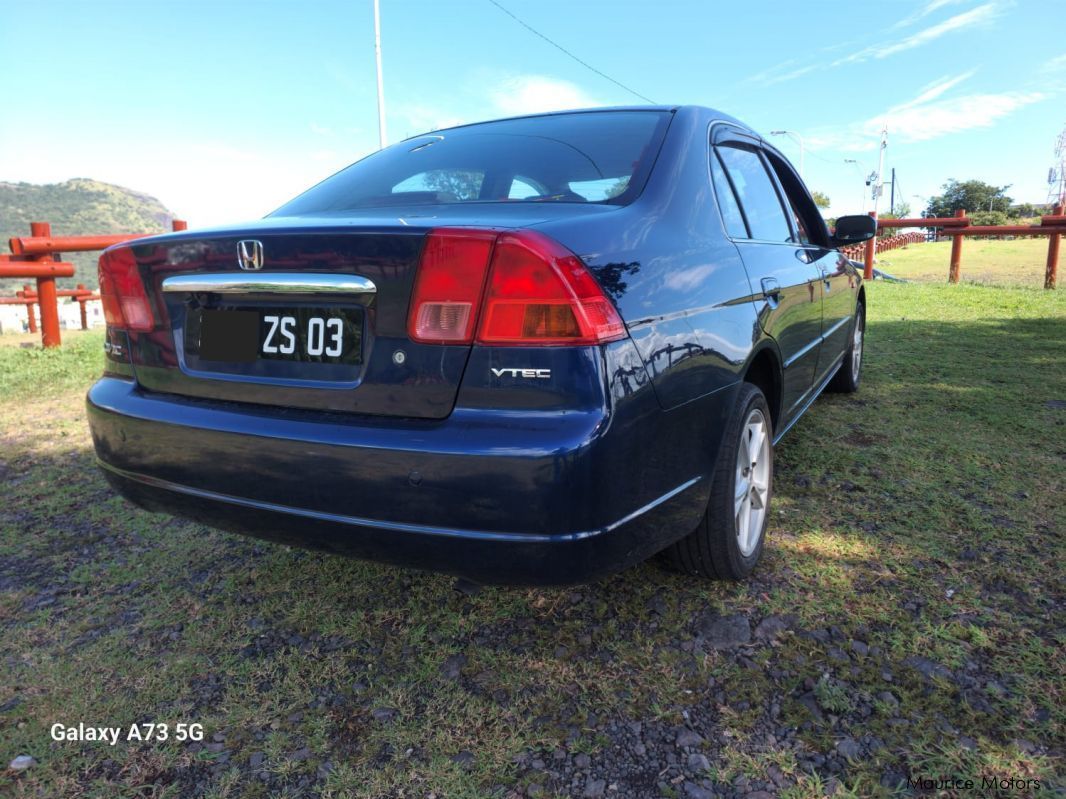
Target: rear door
(785, 280)
(838, 284)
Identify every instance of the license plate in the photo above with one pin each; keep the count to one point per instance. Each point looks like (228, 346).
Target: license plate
(311, 335)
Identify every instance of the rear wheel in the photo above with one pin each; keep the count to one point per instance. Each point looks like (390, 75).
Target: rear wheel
(729, 541)
(846, 380)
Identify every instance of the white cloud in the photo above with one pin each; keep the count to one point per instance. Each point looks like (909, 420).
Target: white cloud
(532, 94)
(1054, 65)
(792, 69)
(930, 120)
(927, 116)
(931, 91)
(975, 16)
(489, 96)
(925, 11)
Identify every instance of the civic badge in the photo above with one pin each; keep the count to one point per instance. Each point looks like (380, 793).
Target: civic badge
(250, 255)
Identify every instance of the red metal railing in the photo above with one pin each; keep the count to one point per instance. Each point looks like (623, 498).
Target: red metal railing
(36, 256)
(1053, 226)
(883, 244)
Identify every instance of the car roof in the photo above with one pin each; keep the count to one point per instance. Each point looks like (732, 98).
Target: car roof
(710, 113)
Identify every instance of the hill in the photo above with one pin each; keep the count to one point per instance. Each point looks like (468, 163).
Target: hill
(77, 207)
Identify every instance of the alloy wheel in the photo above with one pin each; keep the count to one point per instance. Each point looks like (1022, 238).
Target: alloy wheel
(856, 346)
(752, 486)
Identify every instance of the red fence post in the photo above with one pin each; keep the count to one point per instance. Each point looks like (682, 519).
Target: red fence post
(1051, 276)
(27, 289)
(956, 252)
(868, 271)
(46, 294)
(81, 308)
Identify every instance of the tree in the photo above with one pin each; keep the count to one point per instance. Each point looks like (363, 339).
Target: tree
(972, 195)
(902, 210)
(820, 199)
(989, 218)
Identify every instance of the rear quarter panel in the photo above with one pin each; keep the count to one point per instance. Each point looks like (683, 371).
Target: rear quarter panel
(678, 282)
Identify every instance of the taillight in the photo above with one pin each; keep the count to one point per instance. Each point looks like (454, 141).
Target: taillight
(536, 292)
(122, 292)
(540, 293)
(451, 275)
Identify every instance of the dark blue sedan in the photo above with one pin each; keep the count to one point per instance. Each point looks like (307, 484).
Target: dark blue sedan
(536, 350)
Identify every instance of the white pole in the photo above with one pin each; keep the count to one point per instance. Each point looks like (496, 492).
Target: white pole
(381, 88)
(878, 185)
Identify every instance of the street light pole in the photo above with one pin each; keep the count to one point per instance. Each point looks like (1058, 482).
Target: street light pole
(798, 139)
(381, 87)
(878, 184)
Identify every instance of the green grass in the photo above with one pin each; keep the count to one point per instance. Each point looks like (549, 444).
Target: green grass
(1017, 262)
(922, 516)
(30, 372)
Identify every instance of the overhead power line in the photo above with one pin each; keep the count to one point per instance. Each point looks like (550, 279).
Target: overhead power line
(562, 49)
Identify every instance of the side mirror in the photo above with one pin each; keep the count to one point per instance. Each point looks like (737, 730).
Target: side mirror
(854, 229)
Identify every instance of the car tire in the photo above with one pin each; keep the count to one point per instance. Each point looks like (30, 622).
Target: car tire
(727, 544)
(846, 380)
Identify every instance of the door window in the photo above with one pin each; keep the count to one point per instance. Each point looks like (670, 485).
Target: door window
(758, 197)
(810, 228)
(727, 201)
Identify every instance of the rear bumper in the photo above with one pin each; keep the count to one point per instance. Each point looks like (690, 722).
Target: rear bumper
(536, 499)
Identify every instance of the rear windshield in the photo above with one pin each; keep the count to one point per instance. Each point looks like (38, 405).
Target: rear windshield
(592, 157)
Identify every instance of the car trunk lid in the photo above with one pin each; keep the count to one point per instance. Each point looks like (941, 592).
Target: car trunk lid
(335, 291)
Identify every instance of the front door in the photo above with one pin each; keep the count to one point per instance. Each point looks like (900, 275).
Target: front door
(838, 284)
(787, 284)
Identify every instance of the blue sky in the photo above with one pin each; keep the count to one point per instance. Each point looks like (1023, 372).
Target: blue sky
(226, 109)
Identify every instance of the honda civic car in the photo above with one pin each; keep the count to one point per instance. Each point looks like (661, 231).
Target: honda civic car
(535, 350)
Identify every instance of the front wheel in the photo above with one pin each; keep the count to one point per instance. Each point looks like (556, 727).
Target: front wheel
(729, 541)
(846, 380)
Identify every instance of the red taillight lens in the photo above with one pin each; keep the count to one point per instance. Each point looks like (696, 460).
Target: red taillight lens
(447, 293)
(541, 293)
(536, 292)
(122, 292)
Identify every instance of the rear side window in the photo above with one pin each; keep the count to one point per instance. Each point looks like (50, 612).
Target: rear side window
(757, 194)
(727, 201)
(591, 157)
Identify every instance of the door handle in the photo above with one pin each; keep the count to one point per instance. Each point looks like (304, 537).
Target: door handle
(771, 289)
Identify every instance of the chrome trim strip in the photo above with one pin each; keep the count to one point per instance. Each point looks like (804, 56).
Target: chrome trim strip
(269, 283)
(837, 326)
(806, 348)
(820, 340)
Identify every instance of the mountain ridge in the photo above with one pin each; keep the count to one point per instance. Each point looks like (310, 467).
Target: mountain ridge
(77, 207)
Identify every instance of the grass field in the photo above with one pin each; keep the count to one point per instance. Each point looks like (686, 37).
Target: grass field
(1018, 262)
(908, 620)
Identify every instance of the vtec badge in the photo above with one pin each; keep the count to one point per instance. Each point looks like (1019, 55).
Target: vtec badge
(537, 374)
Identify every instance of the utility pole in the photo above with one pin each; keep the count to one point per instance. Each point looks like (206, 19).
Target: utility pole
(892, 194)
(381, 88)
